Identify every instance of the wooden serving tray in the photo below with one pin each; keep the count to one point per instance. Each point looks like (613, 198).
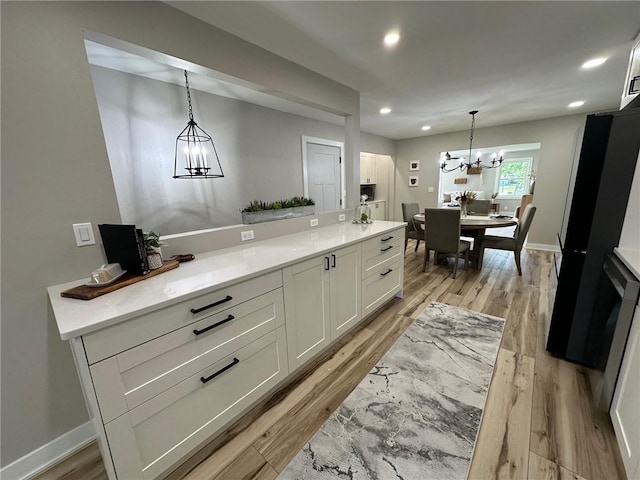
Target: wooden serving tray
(84, 292)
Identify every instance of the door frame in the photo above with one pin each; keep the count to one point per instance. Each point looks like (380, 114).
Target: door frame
(305, 140)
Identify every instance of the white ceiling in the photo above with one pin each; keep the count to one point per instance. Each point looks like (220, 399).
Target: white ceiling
(512, 61)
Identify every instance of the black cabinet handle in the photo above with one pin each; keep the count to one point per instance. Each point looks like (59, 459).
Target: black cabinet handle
(326, 267)
(333, 261)
(211, 305)
(386, 249)
(211, 327)
(386, 239)
(386, 273)
(222, 370)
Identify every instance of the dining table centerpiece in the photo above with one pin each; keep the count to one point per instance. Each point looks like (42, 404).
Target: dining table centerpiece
(463, 198)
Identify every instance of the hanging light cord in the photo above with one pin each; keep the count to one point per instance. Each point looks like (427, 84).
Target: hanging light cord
(473, 124)
(186, 81)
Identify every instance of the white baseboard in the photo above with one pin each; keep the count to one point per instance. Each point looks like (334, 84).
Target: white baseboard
(49, 454)
(542, 246)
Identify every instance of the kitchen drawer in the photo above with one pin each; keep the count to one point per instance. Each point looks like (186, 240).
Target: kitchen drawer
(378, 256)
(153, 437)
(124, 381)
(117, 338)
(383, 240)
(383, 284)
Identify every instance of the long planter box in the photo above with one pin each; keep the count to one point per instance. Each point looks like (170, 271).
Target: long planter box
(281, 214)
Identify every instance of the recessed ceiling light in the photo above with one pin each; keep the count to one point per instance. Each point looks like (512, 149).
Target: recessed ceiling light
(579, 103)
(594, 62)
(426, 127)
(391, 38)
(385, 110)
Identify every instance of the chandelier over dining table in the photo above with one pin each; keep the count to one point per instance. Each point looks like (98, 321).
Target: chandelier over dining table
(466, 163)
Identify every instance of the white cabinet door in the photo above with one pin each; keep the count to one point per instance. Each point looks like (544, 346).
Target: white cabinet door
(307, 309)
(322, 299)
(345, 289)
(625, 412)
(378, 211)
(367, 168)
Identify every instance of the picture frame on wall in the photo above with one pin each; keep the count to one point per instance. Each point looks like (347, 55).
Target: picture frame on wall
(414, 181)
(414, 165)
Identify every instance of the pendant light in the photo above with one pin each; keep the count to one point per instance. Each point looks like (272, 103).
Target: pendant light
(495, 161)
(195, 152)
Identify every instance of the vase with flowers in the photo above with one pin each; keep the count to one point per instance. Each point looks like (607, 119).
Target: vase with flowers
(463, 198)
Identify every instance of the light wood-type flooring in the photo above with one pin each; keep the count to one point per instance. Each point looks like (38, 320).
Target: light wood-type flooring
(538, 421)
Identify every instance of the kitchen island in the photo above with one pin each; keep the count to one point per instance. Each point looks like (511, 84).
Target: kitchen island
(167, 363)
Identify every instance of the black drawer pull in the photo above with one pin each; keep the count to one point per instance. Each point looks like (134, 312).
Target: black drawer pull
(211, 305)
(386, 249)
(386, 239)
(327, 265)
(333, 260)
(211, 327)
(386, 273)
(222, 370)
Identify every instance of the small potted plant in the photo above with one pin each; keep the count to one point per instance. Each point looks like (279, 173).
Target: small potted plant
(153, 246)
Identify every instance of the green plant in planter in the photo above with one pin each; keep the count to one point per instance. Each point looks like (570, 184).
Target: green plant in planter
(152, 242)
(258, 206)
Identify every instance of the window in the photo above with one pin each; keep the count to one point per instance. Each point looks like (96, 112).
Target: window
(513, 177)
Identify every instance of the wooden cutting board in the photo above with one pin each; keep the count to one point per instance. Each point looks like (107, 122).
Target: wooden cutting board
(84, 292)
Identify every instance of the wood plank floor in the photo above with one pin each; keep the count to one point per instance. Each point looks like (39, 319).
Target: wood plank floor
(538, 422)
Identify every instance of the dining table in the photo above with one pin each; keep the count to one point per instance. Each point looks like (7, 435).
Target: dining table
(475, 226)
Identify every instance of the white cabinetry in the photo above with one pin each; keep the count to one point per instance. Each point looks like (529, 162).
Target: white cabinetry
(382, 269)
(625, 413)
(378, 210)
(160, 399)
(322, 300)
(367, 168)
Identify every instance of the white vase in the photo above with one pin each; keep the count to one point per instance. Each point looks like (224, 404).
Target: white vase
(154, 258)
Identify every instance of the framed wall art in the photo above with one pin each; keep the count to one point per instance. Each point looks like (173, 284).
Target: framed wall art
(414, 165)
(414, 181)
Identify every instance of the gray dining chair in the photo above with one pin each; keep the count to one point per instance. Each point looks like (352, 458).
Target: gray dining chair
(515, 243)
(413, 230)
(442, 234)
(479, 207)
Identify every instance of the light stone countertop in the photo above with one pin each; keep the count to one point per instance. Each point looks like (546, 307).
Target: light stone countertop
(207, 273)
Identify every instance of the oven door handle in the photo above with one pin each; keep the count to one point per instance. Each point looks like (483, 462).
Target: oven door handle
(612, 278)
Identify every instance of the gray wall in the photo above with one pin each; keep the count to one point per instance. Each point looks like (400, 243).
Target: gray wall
(142, 117)
(55, 172)
(559, 139)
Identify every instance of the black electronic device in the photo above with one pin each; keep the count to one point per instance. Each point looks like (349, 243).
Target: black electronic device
(124, 244)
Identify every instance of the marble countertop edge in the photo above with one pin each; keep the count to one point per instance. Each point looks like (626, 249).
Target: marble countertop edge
(207, 273)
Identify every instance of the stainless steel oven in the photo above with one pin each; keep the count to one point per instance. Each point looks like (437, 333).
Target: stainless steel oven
(618, 291)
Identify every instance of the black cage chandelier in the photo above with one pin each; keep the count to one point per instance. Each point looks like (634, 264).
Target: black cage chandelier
(195, 151)
(467, 163)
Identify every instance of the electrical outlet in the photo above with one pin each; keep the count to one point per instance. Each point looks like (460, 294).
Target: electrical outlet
(84, 234)
(248, 235)
(342, 217)
(314, 222)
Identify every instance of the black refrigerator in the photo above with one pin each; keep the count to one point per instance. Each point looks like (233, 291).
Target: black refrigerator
(578, 329)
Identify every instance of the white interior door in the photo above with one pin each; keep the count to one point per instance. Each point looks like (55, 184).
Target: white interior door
(323, 173)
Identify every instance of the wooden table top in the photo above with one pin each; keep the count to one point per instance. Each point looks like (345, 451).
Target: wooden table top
(471, 222)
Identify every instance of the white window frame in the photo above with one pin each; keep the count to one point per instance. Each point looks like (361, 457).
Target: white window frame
(529, 161)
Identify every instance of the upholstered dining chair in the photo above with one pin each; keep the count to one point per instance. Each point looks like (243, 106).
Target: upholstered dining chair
(442, 234)
(479, 207)
(515, 243)
(413, 230)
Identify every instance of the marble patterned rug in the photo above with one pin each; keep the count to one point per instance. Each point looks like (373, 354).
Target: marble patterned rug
(416, 415)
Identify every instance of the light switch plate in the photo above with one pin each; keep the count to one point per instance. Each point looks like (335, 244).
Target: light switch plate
(430, 189)
(84, 234)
